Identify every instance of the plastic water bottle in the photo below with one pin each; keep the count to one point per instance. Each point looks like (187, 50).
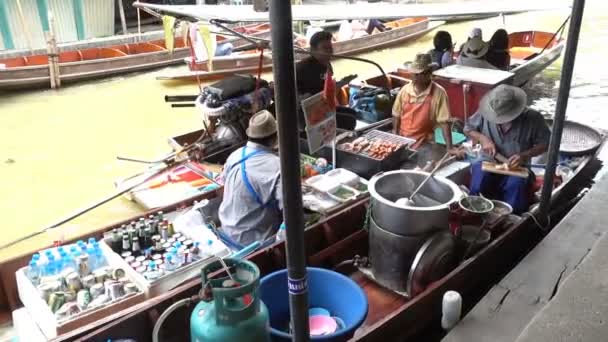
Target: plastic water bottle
(99, 257)
(50, 269)
(154, 273)
(170, 265)
(82, 246)
(282, 233)
(33, 272)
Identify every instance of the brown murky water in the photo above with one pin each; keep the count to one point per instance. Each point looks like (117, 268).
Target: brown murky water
(59, 148)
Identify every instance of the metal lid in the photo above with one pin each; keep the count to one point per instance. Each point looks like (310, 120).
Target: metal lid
(436, 258)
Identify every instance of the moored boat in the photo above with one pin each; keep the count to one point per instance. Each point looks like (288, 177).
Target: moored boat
(402, 31)
(102, 58)
(333, 243)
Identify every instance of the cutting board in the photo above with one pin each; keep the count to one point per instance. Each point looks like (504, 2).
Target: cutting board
(495, 168)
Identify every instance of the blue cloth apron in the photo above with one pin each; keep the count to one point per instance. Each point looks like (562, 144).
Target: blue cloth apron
(242, 163)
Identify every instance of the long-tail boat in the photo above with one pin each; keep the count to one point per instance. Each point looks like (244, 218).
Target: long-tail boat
(399, 32)
(338, 238)
(102, 58)
(333, 243)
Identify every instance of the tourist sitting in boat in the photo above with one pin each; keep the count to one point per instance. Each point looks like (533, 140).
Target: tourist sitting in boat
(420, 106)
(375, 24)
(498, 52)
(443, 52)
(475, 33)
(474, 53)
(251, 207)
(310, 78)
(505, 127)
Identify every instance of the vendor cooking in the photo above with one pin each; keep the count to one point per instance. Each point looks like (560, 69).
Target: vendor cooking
(251, 207)
(504, 125)
(422, 105)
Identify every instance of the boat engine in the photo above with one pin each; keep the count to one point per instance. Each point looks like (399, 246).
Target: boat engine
(411, 246)
(226, 114)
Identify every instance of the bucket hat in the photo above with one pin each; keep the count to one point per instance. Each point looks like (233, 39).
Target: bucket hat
(423, 62)
(475, 48)
(503, 104)
(261, 125)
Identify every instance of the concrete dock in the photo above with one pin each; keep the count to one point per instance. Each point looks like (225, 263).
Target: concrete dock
(558, 292)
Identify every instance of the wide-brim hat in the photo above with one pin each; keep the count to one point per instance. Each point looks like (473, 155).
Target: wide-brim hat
(475, 48)
(261, 125)
(423, 62)
(475, 33)
(503, 104)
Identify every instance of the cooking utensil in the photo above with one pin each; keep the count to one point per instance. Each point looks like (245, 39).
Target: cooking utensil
(410, 200)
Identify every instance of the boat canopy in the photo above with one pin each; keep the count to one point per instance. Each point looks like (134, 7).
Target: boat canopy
(356, 11)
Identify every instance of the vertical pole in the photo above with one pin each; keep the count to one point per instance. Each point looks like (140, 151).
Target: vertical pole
(123, 20)
(285, 85)
(5, 29)
(79, 18)
(561, 106)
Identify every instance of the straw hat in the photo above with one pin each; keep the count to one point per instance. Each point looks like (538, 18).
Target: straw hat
(503, 104)
(261, 125)
(423, 62)
(475, 48)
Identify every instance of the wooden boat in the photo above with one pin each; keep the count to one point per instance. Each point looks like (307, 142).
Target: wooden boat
(336, 239)
(102, 58)
(531, 52)
(402, 31)
(331, 243)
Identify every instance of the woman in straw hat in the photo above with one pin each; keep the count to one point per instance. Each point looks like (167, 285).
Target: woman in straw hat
(473, 54)
(251, 208)
(503, 125)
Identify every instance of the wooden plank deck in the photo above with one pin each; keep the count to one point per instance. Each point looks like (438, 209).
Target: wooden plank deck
(512, 303)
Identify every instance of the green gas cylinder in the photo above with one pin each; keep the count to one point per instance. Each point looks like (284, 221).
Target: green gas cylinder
(235, 313)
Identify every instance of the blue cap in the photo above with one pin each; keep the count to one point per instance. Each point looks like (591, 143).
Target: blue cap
(283, 226)
(36, 256)
(80, 242)
(33, 263)
(209, 242)
(196, 243)
(152, 264)
(169, 257)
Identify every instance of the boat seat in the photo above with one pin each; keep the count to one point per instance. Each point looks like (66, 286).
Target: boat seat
(38, 60)
(70, 56)
(145, 48)
(14, 62)
(521, 53)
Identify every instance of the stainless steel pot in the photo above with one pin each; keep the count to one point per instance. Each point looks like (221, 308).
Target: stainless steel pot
(391, 256)
(432, 202)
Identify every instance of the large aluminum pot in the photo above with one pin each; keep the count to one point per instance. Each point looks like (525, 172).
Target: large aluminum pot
(432, 203)
(391, 256)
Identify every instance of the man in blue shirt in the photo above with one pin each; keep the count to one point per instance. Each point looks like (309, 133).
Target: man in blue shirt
(251, 207)
(504, 125)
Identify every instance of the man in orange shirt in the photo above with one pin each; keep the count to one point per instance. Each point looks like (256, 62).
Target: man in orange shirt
(421, 106)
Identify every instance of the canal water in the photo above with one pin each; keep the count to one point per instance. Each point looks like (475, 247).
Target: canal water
(59, 148)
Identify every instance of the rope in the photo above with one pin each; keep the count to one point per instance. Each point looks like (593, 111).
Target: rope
(544, 229)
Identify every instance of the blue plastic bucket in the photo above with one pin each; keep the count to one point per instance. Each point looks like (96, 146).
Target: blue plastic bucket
(338, 294)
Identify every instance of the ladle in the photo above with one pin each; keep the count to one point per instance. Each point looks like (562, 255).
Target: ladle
(410, 201)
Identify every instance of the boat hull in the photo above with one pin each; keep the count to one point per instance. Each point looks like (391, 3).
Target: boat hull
(107, 57)
(230, 65)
